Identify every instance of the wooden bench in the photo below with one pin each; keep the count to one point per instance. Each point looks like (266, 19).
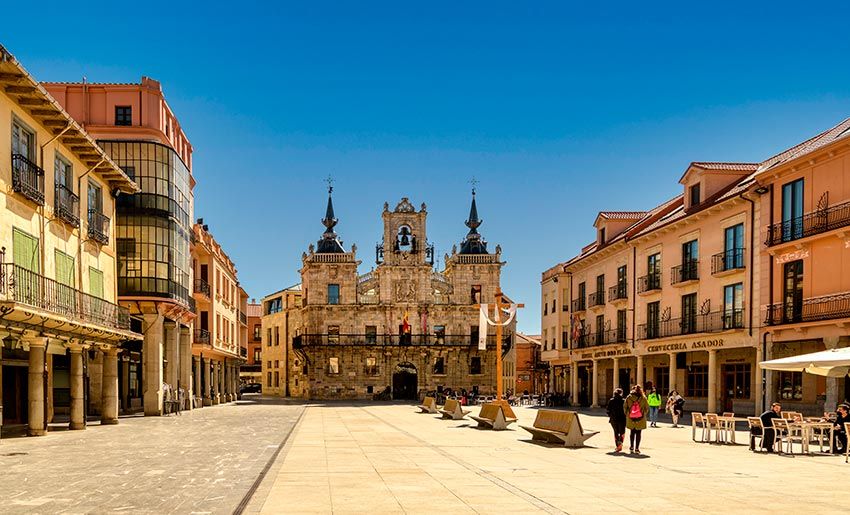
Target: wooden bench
(429, 405)
(453, 410)
(495, 416)
(561, 427)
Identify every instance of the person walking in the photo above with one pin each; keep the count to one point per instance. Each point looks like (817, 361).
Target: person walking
(675, 406)
(617, 418)
(635, 408)
(654, 401)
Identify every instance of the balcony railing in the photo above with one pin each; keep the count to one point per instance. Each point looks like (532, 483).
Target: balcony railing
(687, 271)
(202, 336)
(618, 292)
(829, 307)
(732, 259)
(579, 304)
(193, 306)
(243, 318)
(32, 289)
(98, 226)
(27, 179)
(816, 222)
(649, 282)
(389, 340)
(67, 205)
(596, 298)
(709, 323)
(596, 338)
(202, 287)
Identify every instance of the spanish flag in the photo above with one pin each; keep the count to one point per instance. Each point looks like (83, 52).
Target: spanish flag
(405, 323)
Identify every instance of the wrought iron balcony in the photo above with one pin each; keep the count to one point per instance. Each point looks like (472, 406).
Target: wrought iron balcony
(687, 271)
(596, 338)
(31, 289)
(389, 340)
(732, 259)
(202, 287)
(579, 304)
(708, 323)
(202, 336)
(828, 307)
(243, 318)
(816, 222)
(193, 306)
(27, 179)
(649, 282)
(67, 205)
(596, 298)
(618, 292)
(98, 226)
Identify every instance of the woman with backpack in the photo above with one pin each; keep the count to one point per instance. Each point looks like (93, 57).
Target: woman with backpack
(635, 408)
(617, 418)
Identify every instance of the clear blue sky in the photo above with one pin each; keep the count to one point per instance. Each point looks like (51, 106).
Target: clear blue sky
(558, 110)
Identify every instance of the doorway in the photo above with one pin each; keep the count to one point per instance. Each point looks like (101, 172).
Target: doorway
(15, 394)
(405, 382)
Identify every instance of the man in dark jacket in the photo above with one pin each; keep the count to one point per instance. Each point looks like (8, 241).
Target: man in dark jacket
(842, 416)
(617, 418)
(769, 433)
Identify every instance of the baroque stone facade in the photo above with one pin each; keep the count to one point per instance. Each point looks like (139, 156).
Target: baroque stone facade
(401, 329)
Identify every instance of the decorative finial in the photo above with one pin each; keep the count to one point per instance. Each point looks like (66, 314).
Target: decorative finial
(474, 183)
(330, 182)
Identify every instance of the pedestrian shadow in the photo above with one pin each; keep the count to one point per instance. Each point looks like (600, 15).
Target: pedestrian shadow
(631, 455)
(554, 445)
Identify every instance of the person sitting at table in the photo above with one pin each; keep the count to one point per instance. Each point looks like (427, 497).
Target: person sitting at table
(842, 415)
(769, 434)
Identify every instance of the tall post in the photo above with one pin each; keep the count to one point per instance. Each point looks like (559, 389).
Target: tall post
(109, 412)
(499, 386)
(712, 381)
(640, 370)
(78, 408)
(36, 398)
(616, 375)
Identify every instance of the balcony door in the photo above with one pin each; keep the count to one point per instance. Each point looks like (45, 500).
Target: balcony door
(23, 141)
(792, 210)
(653, 271)
(653, 311)
(733, 255)
(689, 313)
(733, 306)
(600, 287)
(793, 292)
(690, 256)
(621, 282)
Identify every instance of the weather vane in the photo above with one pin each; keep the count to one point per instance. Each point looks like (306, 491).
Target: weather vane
(474, 183)
(330, 182)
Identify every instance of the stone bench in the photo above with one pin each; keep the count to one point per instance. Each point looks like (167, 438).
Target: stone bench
(452, 410)
(429, 405)
(561, 427)
(495, 416)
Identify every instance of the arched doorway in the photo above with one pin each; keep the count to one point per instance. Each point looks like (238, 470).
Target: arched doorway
(405, 382)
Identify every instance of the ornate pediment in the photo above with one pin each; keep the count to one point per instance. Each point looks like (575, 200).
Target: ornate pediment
(405, 206)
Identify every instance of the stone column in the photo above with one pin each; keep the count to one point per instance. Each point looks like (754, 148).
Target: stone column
(35, 414)
(78, 408)
(152, 348)
(109, 413)
(832, 394)
(616, 372)
(639, 371)
(671, 370)
(594, 399)
(172, 353)
(207, 387)
(186, 366)
(574, 383)
(196, 380)
(712, 381)
(759, 387)
(214, 383)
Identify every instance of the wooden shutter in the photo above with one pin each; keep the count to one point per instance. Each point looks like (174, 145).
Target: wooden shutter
(95, 282)
(64, 268)
(25, 249)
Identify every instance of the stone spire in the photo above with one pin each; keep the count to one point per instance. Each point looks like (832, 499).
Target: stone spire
(329, 244)
(473, 243)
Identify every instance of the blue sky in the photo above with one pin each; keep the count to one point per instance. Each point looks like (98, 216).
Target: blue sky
(558, 110)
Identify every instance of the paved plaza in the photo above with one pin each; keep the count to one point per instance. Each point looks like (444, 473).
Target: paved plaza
(386, 458)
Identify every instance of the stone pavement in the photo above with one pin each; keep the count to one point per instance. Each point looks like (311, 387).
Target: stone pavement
(205, 461)
(349, 458)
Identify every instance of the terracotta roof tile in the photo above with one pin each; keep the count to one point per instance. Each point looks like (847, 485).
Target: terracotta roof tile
(622, 215)
(715, 165)
(842, 130)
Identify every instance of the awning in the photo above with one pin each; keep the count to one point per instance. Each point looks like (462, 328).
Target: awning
(830, 363)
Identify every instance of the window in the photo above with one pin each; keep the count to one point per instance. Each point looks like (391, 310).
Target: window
(621, 325)
(257, 356)
(690, 258)
(371, 334)
(333, 294)
(475, 365)
(600, 329)
(269, 379)
(439, 365)
(653, 271)
(473, 335)
(790, 386)
(23, 141)
(25, 251)
(276, 364)
(269, 337)
(269, 364)
(545, 306)
(274, 306)
(622, 283)
(695, 195)
(333, 365)
(733, 247)
(792, 289)
(63, 176)
(736, 381)
(689, 313)
(653, 311)
(600, 285)
(662, 380)
(257, 329)
(697, 381)
(553, 305)
(792, 210)
(565, 338)
(130, 171)
(733, 306)
(276, 379)
(123, 115)
(440, 334)
(277, 335)
(333, 334)
(476, 294)
(95, 202)
(371, 366)
(582, 295)
(602, 236)
(95, 282)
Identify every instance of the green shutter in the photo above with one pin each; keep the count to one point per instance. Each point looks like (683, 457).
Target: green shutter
(95, 282)
(64, 268)
(25, 248)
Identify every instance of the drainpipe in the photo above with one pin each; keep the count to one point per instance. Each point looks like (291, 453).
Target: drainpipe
(634, 294)
(80, 210)
(752, 256)
(770, 302)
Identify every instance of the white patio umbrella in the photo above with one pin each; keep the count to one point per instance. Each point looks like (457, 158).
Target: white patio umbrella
(830, 363)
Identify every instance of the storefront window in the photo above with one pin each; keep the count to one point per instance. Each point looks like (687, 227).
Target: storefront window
(737, 380)
(697, 381)
(790, 386)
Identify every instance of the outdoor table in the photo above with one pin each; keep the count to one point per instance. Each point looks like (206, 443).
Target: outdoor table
(808, 430)
(729, 424)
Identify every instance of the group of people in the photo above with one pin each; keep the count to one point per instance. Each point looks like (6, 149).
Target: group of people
(633, 411)
(768, 434)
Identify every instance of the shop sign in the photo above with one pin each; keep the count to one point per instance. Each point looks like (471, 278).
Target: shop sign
(682, 346)
(611, 353)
